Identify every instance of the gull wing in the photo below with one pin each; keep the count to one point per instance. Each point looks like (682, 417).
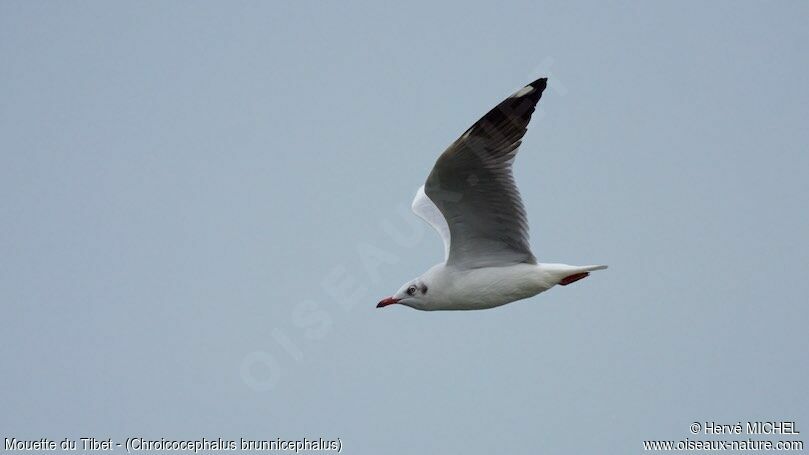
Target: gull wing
(473, 188)
(427, 211)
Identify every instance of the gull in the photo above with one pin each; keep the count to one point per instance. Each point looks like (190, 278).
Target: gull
(471, 199)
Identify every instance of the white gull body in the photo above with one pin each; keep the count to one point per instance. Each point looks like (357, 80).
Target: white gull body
(471, 200)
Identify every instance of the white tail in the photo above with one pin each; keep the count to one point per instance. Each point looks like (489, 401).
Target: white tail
(564, 274)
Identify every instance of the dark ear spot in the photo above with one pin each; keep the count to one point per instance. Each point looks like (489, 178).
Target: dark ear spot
(423, 288)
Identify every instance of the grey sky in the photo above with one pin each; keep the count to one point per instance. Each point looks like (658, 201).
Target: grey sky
(202, 202)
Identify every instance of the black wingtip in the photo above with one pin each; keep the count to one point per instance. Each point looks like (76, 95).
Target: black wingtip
(540, 83)
(533, 90)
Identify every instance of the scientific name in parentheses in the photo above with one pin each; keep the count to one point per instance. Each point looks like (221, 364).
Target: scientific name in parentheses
(784, 427)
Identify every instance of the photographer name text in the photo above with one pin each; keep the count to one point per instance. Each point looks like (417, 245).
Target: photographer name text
(752, 427)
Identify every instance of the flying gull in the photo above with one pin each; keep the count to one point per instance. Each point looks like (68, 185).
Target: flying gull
(471, 199)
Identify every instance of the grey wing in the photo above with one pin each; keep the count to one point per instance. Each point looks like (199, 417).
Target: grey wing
(473, 187)
(427, 210)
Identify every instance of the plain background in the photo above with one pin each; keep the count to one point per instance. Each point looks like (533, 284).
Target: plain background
(202, 202)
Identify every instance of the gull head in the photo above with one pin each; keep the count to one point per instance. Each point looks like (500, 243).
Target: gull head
(412, 294)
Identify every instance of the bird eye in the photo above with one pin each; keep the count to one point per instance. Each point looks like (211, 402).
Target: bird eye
(411, 290)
